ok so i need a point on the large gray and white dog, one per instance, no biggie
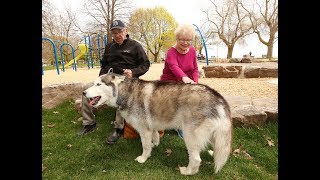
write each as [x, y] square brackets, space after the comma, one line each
[198, 110]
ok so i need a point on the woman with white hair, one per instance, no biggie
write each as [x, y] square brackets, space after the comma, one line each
[181, 59]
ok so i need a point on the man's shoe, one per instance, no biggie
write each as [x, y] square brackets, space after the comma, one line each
[87, 128]
[114, 136]
[77, 105]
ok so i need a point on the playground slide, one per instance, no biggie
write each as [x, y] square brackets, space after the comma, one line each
[83, 50]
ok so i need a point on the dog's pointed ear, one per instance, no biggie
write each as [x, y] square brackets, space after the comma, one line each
[122, 78]
[118, 79]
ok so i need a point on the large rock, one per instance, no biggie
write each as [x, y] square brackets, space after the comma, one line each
[222, 71]
[269, 106]
[246, 59]
[248, 115]
[246, 111]
[56, 94]
[234, 70]
[260, 72]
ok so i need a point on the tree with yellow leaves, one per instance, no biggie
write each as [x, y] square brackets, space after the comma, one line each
[154, 28]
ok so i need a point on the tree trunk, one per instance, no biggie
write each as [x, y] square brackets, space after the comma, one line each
[269, 52]
[230, 51]
[156, 59]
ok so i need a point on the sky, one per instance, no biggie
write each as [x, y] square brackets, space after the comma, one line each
[189, 11]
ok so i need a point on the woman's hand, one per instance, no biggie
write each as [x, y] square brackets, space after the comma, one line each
[187, 80]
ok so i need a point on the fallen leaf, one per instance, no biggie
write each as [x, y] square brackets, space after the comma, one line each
[270, 142]
[69, 146]
[55, 112]
[177, 168]
[168, 152]
[246, 154]
[43, 168]
[236, 152]
[51, 125]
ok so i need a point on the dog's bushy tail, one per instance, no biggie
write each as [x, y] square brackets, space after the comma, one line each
[221, 143]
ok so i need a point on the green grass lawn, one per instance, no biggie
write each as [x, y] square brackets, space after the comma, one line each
[68, 156]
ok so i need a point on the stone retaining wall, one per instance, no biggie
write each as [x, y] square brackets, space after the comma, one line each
[239, 71]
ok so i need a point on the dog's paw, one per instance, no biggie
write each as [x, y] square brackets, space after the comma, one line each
[183, 171]
[155, 138]
[141, 159]
[186, 171]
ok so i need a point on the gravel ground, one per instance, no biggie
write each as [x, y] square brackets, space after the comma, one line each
[251, 87]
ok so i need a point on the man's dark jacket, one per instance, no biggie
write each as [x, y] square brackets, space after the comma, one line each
[128, 55]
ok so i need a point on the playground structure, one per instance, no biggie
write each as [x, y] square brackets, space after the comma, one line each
[83, 50]
[90, 50]
[86, 51]
[204, 43]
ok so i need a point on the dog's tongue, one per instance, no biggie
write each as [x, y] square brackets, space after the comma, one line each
[93, 101]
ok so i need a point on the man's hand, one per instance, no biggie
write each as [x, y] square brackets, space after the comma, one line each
[127, 73]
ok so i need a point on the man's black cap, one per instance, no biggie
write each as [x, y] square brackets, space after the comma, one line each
[117, 24]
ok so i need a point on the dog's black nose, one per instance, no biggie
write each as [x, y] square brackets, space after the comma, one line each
[84, 93]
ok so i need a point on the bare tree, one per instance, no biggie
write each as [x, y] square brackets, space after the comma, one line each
[230, 23]
[49, 30]
[264, 21]
[103, 12]
[60, 28]
[48, 19]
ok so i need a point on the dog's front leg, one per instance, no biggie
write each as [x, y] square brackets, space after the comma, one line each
[146, 140]
[155, 138]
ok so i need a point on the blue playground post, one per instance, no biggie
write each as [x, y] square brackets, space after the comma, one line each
[62, 59]
[85, 42]
[204, 44]
[105, 40]
[90, 51]
[99, 56]
[105, 44]
[55, 54]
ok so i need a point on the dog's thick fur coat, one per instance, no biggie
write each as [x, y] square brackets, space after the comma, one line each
[198, 110]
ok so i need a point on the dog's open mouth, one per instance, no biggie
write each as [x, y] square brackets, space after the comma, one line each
[94, 100]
